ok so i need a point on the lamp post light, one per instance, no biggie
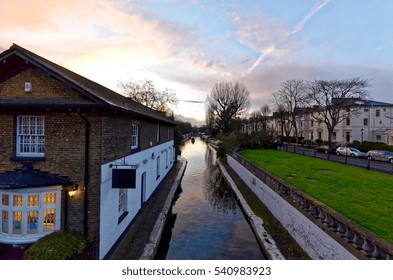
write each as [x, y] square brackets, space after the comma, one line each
[361, 138]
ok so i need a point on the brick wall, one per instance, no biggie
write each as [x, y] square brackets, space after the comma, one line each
[43, 87]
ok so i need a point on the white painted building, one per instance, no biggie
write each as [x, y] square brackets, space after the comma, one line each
[369, 121]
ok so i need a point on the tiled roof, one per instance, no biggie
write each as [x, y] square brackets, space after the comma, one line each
[91, 89]
[27, 177]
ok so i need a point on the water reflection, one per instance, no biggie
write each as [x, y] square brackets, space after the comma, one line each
[206, 222]
[217, 193]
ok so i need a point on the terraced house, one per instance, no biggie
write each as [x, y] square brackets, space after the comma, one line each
[74, 155]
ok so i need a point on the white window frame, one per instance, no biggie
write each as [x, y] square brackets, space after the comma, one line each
[158, 133]
[7, 235]
[135, 137]
[30, 136]
[122, 205]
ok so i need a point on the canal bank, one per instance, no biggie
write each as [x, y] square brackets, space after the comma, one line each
[272, 236]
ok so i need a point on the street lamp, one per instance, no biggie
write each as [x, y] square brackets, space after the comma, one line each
[361, 138]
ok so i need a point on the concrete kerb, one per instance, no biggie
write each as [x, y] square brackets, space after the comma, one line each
[150, 249]
[266, 241]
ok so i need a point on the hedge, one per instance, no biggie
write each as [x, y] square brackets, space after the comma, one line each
[60, 245]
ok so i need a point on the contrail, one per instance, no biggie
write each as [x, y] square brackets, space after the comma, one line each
[192, 101]
[315, 10]
[297, 28]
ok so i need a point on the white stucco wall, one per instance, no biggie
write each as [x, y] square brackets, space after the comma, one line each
[309, 236]
[110, 230]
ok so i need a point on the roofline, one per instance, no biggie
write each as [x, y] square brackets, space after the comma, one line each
[46, 65]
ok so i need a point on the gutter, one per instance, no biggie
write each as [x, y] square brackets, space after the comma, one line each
[86, 171]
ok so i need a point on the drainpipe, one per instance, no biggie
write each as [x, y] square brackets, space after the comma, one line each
[86, 171]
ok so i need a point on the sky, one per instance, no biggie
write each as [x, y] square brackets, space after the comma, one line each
[189, 45]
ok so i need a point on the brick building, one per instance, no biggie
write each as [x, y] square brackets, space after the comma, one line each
[74, 155]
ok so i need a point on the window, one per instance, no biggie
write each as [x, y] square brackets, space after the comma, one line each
[122, 205]
[365, 121]
[30, 136]
[334, 136]
[5, 219]
[348, 121]
[158, 133]
[158, 168]
[135, 136]
[377, 113]
[49, 217]
[122, 201]
[379, 137]
[312, 123]
[347, 136]
[166, 159]
[29, 214]
[366, 110]
[319, 135]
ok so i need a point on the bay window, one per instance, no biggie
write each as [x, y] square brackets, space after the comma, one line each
[28, 214]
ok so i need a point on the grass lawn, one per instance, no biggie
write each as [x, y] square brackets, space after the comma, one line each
[365, 197]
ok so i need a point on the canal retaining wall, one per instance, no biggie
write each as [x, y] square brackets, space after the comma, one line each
[264, 239]
[320, 231]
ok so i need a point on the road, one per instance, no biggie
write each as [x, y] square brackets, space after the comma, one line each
[359, 162]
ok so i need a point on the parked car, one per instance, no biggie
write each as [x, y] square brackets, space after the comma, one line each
[310, 144]
[380, 155]
[349, 151]
[327, 149]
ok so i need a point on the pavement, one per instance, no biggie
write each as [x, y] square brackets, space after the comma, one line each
[142, 239]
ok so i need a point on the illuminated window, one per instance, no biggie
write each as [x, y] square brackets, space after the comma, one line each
[32, 222]
[5, 219]
[30, 136]
[50, 198]
[5, 199]
[49, 220]
[33, 200]
[18, 200]
[29, 214]
[17, 222]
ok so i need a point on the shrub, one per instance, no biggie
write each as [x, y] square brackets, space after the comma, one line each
[60, 245]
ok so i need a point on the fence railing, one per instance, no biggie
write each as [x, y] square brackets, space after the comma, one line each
[362, 243]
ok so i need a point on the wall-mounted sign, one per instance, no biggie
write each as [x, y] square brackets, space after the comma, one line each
[123, 178]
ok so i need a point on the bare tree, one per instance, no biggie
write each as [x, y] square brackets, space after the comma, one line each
[226, 104]
[333, 99]
[282, 118]
[265, 112]
[145, 93]
[291, 98]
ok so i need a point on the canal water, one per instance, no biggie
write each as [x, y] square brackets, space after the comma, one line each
[206, 222]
